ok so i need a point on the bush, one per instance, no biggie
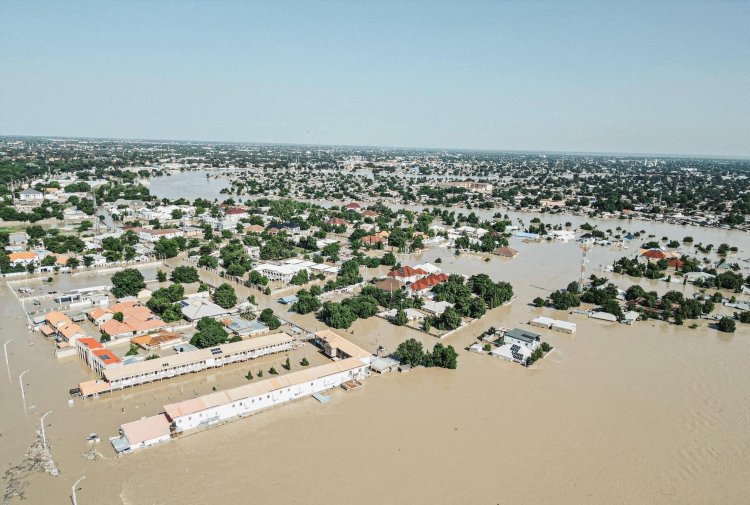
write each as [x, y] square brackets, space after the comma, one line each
[727, 325]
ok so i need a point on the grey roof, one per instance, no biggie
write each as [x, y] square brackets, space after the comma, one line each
[30, 192]
[240, 326]
[523, 335]
[381, 364]
[120, 444]
[184, 348]
[199, 309]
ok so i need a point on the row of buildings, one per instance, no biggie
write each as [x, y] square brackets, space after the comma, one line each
[350, 365]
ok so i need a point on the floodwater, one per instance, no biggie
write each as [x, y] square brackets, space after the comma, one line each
[195, 184]
[190, 185]
[650, 413]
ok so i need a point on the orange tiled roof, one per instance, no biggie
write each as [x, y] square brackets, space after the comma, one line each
[406, 271]
[71, 330]
[115, 327]
[57, 319]
[98, 312]
[106, 356]
[23, 255]
[90, 343]
[428, 282]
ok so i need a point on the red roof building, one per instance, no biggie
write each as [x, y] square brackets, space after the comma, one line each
[372, 240]
[676, 263]
[654, 254]
[426, 284]
[407, 274]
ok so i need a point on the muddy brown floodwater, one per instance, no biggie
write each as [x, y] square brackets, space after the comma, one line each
[650, 413]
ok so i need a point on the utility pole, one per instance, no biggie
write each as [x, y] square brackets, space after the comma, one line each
[5, 347]
[23, 393]
[44, 437]
[73, 489]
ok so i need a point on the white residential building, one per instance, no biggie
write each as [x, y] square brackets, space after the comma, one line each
[31, 195]
[149, 235]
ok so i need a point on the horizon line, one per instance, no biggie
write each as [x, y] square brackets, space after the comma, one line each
[404, 148]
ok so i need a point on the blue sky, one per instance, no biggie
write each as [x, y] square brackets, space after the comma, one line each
[642, 77]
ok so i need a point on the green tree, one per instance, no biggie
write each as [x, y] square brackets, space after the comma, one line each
[225, 297]
[166, 247]
[210, 333]
[184, 275]
[727, 325]
[161, 276]
[411, 352]
[305, 303]
[268, 318]
[400, 319]
[442, 356]
[300, 278]
[127, 282]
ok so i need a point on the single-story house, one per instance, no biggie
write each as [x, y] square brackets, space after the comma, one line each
[513, 352]
[195, 310]
[143, 433]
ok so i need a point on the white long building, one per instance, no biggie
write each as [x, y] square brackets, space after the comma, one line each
[286, 270]
[221, 406]
[196, 361]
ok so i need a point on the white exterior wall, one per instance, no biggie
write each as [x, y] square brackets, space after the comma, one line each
[149, 443]
[144, 235]
[214, 362]
[510, 340]
[254, 404]
[25, 197]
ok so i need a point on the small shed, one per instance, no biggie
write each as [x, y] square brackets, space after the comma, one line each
[631, 316]
[542, 322]
[288, 300]
[604, 316]
[564, 326]
[384, 365]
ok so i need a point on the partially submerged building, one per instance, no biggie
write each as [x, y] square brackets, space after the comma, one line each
[142, 433]
[221, 406]
[142, 372]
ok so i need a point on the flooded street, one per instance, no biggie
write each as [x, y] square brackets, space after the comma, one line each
[650, 413]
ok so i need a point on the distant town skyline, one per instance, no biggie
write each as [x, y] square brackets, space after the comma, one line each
[552, 77]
